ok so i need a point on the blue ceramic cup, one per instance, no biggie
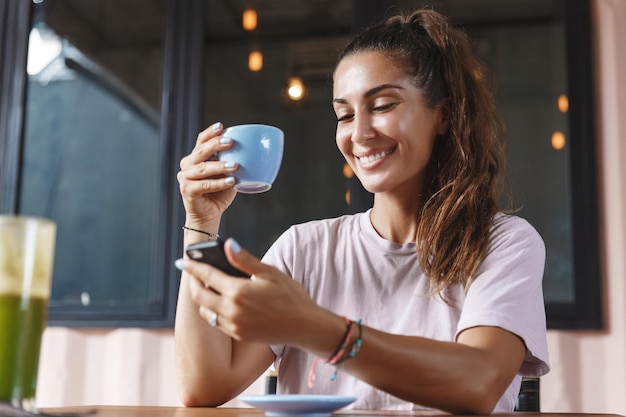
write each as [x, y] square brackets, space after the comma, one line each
[258, 149]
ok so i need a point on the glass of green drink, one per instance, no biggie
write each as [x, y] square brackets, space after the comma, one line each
[26, 262]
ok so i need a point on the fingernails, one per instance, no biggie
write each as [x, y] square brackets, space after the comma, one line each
[216, 126]
[229, 165]
[234, 245]
[229, 180]
[225, 141]
[179, 264]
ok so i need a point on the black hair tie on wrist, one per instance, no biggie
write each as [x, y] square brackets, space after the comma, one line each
[212, 236]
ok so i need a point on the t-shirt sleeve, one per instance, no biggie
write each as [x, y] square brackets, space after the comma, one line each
[507, 291]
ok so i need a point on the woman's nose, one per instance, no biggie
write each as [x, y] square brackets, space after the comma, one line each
[363, 129]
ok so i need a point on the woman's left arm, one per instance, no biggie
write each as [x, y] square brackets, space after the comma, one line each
[466, 376]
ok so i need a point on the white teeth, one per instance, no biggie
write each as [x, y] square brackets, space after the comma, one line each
[371, 158]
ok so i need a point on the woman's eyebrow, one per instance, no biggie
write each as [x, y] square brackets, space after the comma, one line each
[380, 88]
[371, 92]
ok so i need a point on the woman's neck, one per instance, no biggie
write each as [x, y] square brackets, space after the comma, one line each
[395, 219]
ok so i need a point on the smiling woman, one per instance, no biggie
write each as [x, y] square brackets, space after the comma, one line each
[431, 298]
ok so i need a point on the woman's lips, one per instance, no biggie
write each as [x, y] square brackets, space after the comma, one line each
[373, 157]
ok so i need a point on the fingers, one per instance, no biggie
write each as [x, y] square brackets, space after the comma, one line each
[203, 274]
[245, 261]
[202, 295]
[210, 132]
[205, 152]
[203, 179]
[207, 134]
[206, 169]
[200, 171]
[247, 309]
[208, 143]
[207, 314]
[210, 288]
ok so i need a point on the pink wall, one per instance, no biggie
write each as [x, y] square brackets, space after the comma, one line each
[110, 367]
[123, 366]
[135, 366]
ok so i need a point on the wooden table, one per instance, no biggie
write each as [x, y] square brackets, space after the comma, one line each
[144, 411]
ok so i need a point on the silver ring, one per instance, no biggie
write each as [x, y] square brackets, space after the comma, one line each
[213, 320]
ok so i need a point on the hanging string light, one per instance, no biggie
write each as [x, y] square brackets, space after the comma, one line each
[558, 140]
[296, 90]
[255, 61]
[563, 103]
[249, 20]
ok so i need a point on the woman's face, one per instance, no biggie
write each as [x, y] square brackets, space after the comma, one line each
[384, 129]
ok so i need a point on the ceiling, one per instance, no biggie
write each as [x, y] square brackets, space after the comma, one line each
[94, 23]
[279, 20]
[110, 32]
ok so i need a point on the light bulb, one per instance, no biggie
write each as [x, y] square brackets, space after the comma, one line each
[249, 19]
[347, 171]
[563, 103]
[255, 61]
[296, 90]
[558, 140]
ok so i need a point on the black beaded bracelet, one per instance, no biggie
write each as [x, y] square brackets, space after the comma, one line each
[212, 236]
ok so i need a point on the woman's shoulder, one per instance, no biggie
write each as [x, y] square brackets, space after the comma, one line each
[510, 228]
[512, 222]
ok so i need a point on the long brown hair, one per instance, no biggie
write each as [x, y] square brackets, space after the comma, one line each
[468, 160]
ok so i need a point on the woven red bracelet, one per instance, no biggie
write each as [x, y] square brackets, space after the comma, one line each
[345, 350]
[345, 343]
[343, 339]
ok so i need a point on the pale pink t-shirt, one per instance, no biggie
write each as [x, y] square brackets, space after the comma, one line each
[346, 267]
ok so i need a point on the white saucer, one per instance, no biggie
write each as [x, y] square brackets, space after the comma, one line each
[297, 404]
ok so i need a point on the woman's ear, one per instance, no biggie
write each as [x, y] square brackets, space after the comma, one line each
[443, 116]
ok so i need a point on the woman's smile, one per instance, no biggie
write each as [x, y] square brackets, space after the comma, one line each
[369, 160]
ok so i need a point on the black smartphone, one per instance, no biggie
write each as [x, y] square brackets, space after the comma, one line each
[212, 253]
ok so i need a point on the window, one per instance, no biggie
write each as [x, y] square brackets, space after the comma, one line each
[92, 154]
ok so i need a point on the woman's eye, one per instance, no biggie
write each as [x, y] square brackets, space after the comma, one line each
[384, 107]
[344, 117]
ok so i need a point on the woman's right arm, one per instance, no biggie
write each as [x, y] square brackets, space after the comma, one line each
[211, 368]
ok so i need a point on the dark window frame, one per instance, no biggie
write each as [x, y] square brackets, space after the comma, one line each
[14, 30]
[586, 311]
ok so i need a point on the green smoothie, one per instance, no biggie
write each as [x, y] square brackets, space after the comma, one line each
[21, 326]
